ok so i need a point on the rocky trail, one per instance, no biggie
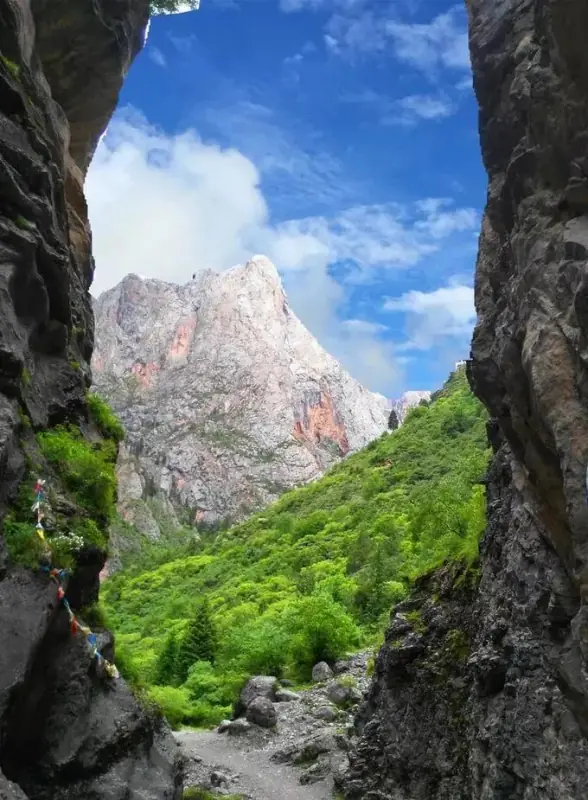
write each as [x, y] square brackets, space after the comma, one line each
[295, 749]
[226, 766]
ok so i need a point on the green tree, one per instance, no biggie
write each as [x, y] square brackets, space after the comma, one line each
[169, 6]
[198, 643]
[166, 666]
[320, 630]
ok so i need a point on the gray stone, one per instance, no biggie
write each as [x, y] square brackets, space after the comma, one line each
[326, 713]
[262, 712]
[576, 239]
[218, 779]
[285, 696]
[321, 672]
[342, 695]
[238, 727]
[259, 686]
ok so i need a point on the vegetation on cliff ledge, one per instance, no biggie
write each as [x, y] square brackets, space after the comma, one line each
[315, 574]
[81, 480]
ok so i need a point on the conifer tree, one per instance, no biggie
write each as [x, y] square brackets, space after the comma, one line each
[199, 642]
[166, 667]
[393, 421]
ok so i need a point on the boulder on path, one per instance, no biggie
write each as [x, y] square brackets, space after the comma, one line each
[321, 672]
[237, 727]
[261, 711]
[258, 686]
[342, 695]
[310, 748]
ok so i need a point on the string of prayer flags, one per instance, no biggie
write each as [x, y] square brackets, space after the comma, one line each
[59, 575]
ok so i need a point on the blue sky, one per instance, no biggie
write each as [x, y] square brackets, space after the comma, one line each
[337, 137]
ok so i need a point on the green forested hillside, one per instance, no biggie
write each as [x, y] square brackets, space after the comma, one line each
[311, 577]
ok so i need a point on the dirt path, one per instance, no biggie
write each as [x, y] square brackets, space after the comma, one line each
[250, 772]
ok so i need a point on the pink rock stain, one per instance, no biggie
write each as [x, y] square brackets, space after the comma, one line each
[320, 422]
[181, 342]
[144, 373]
[98, 364]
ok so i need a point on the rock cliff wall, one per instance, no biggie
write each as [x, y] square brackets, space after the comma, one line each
[226, 398]
[63, 733]
[483, 695]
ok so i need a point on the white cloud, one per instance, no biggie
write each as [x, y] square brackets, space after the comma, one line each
[422, 107]
[168, 206]
[157, 56]
[443, 42]
[405, 111]
[314, 5]
[444, 313]
[364, 326]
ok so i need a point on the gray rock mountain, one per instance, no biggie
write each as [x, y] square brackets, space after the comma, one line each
[407, 401]
[226, 397]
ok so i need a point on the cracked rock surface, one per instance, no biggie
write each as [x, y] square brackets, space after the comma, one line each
[480, 691]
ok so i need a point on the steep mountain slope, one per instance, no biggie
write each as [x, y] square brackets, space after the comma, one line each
[317, 571]
[226, 398]
[68, 728]
[488, 698]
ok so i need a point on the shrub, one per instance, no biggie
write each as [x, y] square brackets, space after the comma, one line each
[23, 544]
[104, 418]
[321, 630]
[86, 469]
[261, 646]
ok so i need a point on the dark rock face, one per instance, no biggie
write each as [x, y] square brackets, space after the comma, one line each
[507, 716]
[64, 732]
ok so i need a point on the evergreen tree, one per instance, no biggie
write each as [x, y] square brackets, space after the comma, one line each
[198, 643]
[165, 668]
[393, 420]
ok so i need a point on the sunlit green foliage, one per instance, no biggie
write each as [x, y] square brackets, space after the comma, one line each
[315, 575]
[104, 418]
[86, 469]
[170, 6]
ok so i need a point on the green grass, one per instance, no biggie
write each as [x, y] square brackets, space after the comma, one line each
[86, 469]
[104, 418]
[314, 576]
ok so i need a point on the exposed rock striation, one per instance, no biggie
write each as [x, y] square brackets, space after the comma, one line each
[507, 715]
[63, 733]
[226, 398]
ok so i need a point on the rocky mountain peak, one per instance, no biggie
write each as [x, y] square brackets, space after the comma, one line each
[408, 400]
[226, 397]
